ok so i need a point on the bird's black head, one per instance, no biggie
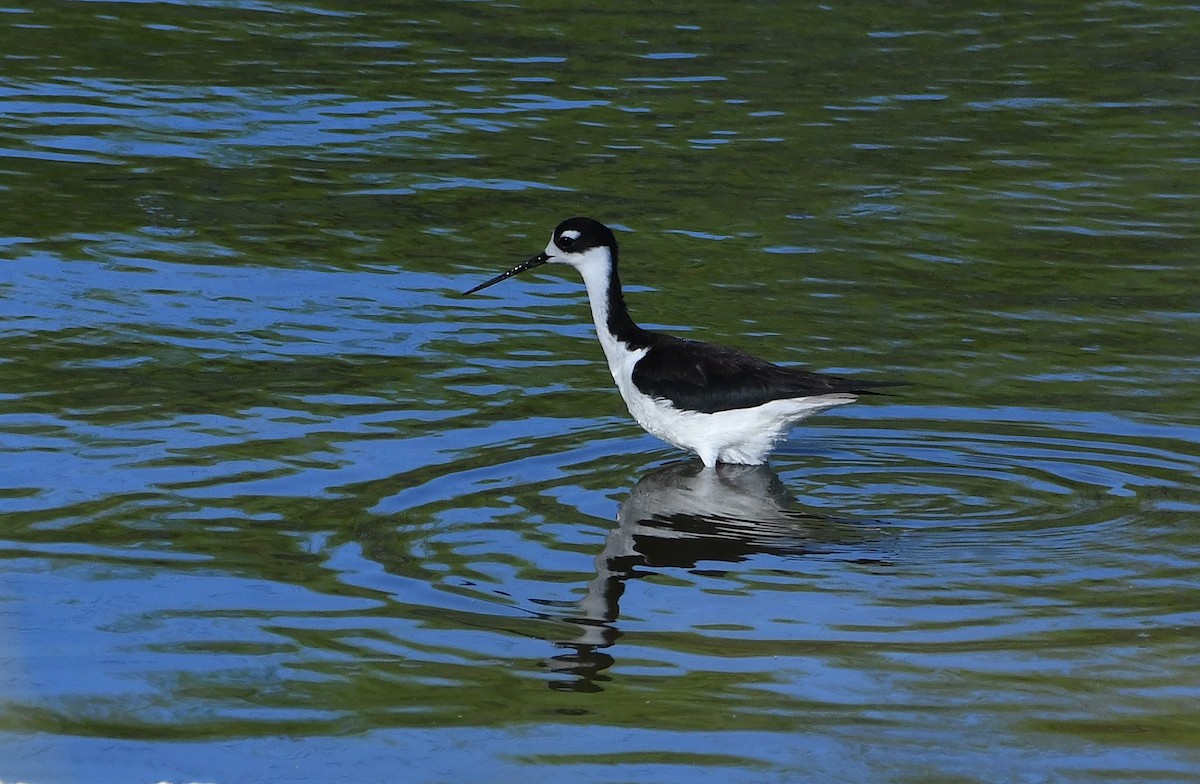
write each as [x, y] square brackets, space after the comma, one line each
[579, 235]
[581, 242]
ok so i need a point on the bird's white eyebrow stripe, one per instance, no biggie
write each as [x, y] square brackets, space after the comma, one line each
[571, 234]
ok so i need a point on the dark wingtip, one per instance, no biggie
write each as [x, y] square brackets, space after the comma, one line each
[873, 387]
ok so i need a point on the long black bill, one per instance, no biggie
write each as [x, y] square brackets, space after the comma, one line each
[536, 261]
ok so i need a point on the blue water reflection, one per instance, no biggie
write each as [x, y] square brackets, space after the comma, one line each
[684, 516]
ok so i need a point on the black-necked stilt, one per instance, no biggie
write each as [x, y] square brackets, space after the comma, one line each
[719, 402]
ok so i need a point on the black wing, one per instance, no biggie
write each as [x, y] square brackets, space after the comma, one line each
[708, 378]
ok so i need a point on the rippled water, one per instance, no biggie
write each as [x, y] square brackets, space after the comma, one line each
[278, 504]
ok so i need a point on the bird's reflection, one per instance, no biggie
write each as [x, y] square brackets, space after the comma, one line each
[678, 516]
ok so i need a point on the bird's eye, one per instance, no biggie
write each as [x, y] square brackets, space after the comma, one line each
[565, 241]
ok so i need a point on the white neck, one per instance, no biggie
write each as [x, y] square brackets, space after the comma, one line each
[596, 269]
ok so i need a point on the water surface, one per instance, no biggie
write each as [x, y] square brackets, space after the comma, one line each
[277, 504]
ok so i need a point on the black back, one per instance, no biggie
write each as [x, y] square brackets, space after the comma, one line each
[707, 377]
